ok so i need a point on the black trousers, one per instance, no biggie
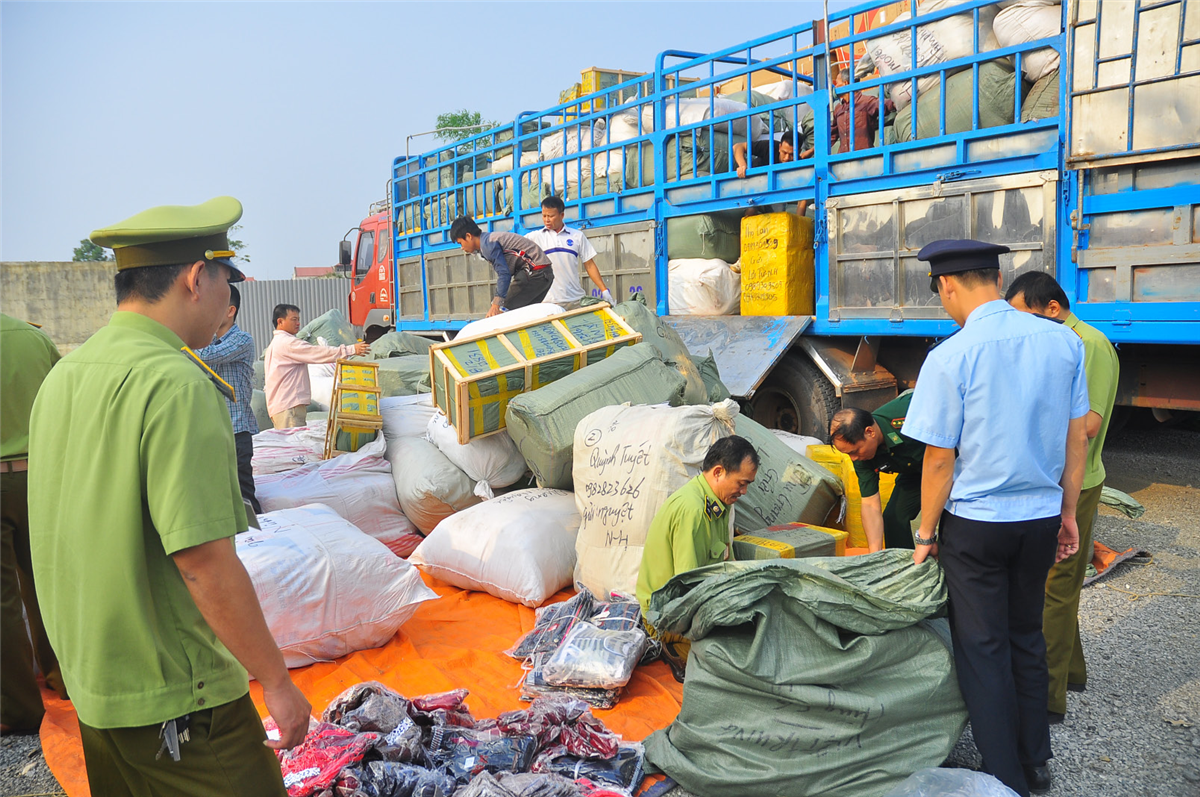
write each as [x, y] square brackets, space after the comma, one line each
[244, 442]
[996, 578]
[528, 287]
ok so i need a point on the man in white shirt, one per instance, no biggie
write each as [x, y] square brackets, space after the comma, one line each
[286, 362]
[566, 247]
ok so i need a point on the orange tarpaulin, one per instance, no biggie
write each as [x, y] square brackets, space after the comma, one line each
[456, 641]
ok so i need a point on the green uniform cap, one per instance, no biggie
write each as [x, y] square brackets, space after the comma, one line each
[172, 234]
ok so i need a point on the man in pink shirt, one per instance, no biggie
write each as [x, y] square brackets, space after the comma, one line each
[286, 362]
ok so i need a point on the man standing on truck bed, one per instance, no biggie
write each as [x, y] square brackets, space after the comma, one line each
[286, 364]
[567, 247]
[875, 444]
[1000, 406]
[1038, 292]
[133, 507]
[523, 272]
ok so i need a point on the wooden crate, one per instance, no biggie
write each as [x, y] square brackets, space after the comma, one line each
[474, 378]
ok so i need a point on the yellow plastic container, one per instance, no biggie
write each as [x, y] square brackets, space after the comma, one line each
[777, 265]
[843, 467]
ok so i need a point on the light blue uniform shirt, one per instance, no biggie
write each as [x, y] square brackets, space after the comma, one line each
[1002, 392]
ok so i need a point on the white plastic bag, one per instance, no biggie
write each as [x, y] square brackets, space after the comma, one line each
[627, 462]
[406, 416]
[797, 442]
[492, 461]
[277, 450]
[1027, 22]
[326, 588]
[430, 487]
[947, 782]
[592, 658]
[703, 287]
[320, 382]
[519, 317]
[358, 486]
[519, 547]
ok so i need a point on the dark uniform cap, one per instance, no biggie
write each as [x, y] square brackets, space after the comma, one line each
[173, 234]
[955, 256]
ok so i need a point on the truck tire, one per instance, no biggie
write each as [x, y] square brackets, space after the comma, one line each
[796, 398]
[375, 332]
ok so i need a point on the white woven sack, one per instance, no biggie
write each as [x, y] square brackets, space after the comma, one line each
[519, 317]
[327, 589]
[1027, 22]
[492, 462]
[698, 286]
[277, 450]
[519, 547]
[406, 416]
[430, 487]
[627, 463]
[358, 486]
[797, 442]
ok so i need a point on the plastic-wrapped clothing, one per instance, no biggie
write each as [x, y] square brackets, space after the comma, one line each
[562, 721]
[534, 686]
[442, 708]
[519, 785]
[617, 616]
[624, 770]
[315, 763]
[938, 782]
[552, 624]
[371, 706]
[389, 779]
[465, 752]
[592, 657]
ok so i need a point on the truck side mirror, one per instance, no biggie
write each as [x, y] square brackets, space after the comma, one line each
[343, 253]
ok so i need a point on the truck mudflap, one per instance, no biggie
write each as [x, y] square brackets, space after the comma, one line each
[745, 348]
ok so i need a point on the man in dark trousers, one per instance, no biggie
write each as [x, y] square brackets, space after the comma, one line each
[1002, 407]
[524, 273]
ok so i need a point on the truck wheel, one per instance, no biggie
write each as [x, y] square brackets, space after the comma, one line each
[375, 332]
[796, 398]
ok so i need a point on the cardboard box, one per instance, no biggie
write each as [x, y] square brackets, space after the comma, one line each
[842, 466]
[790, 541]
[778, 276]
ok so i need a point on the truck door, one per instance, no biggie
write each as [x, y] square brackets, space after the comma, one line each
[363, 291]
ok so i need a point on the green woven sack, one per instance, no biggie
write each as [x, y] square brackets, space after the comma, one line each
[542, 422]
[809, 676]
[712, 379]
[1041, 101]
[404, 375]
[396, 344]
[997, 90]
[674, 353]
[790, 488]
[332, 327]
[707, 236]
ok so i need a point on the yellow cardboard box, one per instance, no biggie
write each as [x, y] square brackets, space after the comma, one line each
[778, 276]
[843, 467]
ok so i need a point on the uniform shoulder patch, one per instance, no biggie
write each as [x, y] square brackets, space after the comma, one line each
[897, 423]
[713, 508]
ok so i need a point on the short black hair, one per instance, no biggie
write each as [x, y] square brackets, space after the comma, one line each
[554, 203]
[235, 300]
[730, 452]
[148, 283]
[281, 312]
[462, 227]
[1039, 289]
[969, 279]
[850, 424]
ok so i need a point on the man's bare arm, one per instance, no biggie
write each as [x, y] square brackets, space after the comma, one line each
[937, 476]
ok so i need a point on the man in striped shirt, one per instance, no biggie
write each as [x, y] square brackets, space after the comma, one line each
[231, 355]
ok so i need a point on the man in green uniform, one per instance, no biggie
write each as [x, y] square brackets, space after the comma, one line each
[1037, 292]
[134, 503]
[28, 354]
[874, 442]
[691, 529]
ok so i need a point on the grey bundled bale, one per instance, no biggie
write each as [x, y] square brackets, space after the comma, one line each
[542, 422]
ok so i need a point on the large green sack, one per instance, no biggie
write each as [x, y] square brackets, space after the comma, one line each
[809, 676]
[712, 379]
[789, 488]
[674, 353]
[332, 327]
[542, 422]
[1041, 101]
[258, 405]
[404, 375]
[260, 374]
[396, 344]
[705, 236]
[997, 93]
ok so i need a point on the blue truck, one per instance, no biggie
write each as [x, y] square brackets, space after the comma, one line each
[1068, 132]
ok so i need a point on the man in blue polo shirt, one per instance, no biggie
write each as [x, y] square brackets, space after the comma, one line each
[1001, 407]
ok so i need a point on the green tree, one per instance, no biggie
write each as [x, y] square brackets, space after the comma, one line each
[461, 118]
[90, 252]
[238, 245]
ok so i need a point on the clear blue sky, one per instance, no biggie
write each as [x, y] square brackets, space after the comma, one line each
[296, 109]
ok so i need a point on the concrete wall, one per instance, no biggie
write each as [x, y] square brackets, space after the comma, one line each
[70, 300]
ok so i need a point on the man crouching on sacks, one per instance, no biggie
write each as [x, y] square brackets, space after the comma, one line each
[692, 529]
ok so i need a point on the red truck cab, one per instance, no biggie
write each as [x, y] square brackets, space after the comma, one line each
[372, 294]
